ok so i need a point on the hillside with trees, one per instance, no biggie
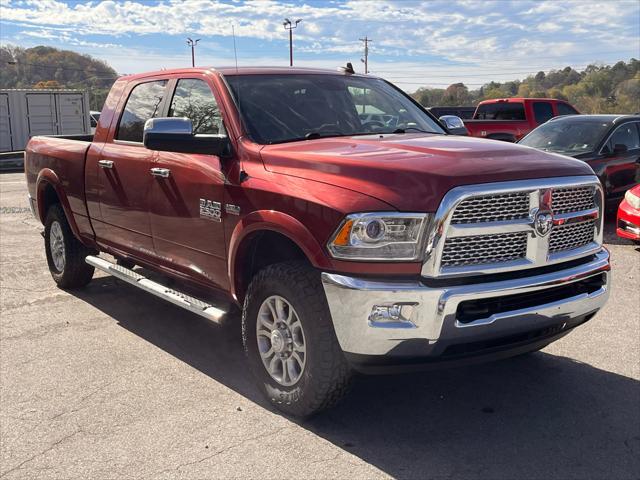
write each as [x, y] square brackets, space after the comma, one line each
[596, 89]
[48, 67]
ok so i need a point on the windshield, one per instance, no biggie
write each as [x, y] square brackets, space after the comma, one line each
[284, 108]
[567, 137]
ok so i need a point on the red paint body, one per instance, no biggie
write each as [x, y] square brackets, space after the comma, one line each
[511, 130]
[630, 215]
[301, 190]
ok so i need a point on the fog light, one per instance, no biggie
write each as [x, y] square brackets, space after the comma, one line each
[396, 315]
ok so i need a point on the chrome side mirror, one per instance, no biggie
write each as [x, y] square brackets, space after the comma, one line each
[173, 134]
[454, 124]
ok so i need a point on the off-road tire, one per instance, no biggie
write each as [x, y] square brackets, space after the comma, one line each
[76, 273]
[327, 375]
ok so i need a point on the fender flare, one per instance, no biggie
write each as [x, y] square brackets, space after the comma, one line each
[278, 222]
[48, 177]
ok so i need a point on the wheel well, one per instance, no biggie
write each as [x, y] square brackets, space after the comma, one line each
[49, 198]
[262, 249]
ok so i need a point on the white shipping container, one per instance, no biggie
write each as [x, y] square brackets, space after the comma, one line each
[25, 113]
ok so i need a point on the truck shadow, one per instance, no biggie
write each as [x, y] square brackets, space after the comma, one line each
[538, 416]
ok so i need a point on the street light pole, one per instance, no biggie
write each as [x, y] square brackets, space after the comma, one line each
[192, 44]
[289, 25]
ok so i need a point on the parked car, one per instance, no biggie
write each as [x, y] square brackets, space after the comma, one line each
[628, 221]
[610, 144]
[510, 119]
[346, 246]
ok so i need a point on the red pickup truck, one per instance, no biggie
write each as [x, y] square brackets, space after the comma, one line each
[346, 244]
[510, 119]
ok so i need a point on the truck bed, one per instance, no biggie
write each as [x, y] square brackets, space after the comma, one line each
[64, 157]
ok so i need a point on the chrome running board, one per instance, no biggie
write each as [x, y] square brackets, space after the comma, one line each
[180, 299]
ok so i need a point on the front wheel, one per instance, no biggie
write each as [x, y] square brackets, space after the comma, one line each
[290, 342]
[65, 254]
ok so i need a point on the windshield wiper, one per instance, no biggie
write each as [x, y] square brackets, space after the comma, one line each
[415, 129]
[314, 135]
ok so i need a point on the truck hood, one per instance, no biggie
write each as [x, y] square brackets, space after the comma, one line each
[413, 172]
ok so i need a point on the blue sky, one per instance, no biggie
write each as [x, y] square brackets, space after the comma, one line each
[414, 43]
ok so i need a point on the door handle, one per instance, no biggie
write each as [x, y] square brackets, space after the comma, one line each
[105, 163]
[160, 172]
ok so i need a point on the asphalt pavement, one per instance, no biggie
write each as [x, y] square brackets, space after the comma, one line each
[110, 382]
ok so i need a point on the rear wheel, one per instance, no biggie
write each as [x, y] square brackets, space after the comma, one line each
[65, 254]
[290, 342]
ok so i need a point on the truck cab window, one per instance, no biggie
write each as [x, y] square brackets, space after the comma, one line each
[564, 109]
[501, 111]
[194, 99]
[143, 103]
[542, 111]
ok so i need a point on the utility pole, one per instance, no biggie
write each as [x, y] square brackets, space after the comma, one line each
[365, 60]
[192, 44]
[289, 25]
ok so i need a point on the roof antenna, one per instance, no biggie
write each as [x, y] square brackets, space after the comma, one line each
[235, 52]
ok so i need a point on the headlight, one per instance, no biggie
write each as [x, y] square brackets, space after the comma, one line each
[632, 199]
[384, 236]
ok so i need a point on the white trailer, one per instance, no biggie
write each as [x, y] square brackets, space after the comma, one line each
[28, 112]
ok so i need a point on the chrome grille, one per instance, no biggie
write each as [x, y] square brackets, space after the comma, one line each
[507, 226]
[492, 208]
[461, 251]
[565, 200]
[568, 237]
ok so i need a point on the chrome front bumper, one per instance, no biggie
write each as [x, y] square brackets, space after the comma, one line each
[431, 323]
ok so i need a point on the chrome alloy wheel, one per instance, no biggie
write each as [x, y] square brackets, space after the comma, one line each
[281, 340]
[56, 245]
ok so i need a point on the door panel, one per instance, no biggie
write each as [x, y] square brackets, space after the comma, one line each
[6, 141]
[71, 113]
[622, 170]
[186, 206]
[124, 190]
[123, 173]
[41, 114]
[187, 238]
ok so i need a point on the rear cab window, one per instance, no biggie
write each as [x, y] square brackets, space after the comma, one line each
[542, 111]
[144, 102]
[565, 109]
[500, 111]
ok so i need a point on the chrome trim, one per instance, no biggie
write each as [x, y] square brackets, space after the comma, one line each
[537, 254]
[195, 305]
[160, 172]
[629, 227]
[351, 301]
[105, 163]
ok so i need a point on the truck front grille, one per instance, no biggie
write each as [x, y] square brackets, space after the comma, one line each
[566, 200]
[460, 251]
[569, 237]
[505, 226]
[492, 208]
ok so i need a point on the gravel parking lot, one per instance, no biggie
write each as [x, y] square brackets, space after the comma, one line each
[110, 382]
